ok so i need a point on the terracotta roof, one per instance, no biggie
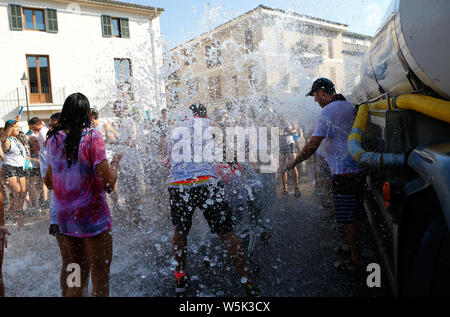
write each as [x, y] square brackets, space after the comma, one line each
[129, 5]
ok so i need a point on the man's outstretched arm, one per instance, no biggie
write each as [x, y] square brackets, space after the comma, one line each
[309, 149]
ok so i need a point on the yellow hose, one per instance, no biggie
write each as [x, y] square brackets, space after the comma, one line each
[432, 107]
[429, 106]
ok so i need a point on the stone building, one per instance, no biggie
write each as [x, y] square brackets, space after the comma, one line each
[260, 54]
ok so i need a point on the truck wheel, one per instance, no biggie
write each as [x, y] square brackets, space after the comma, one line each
[431, 273]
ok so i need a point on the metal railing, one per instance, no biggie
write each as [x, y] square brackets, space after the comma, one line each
[17, 98]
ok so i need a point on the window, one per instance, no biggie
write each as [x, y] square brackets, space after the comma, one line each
[249, 41]
[15, 17]
[213, 55]
[330, 48]
[188, 57]
[44, 20]
[124, 76]
[39, 75]
[214, 88]
[34, 19]
[192, 86]
[115, 27]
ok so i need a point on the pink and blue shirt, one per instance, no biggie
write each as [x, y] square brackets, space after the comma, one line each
[79, 198]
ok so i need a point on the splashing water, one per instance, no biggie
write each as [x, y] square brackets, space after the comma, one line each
[142, 231]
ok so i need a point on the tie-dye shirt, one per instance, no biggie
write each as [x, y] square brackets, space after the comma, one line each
[80, 200]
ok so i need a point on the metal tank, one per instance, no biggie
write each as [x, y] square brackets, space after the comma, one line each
[410, 51]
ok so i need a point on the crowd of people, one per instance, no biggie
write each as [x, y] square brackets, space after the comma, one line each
[82, 157]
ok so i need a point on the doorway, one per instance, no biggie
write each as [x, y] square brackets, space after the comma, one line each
[39, 75]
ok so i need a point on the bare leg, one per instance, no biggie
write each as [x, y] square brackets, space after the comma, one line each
[237, 255]
[75, 254]
[33, 190]
[179, 245]
[99, 251]
[296, 177]
[65, 262]
[17, 188]
[351, 233]
[43, 190]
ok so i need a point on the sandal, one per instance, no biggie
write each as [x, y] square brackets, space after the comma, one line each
[348, 266]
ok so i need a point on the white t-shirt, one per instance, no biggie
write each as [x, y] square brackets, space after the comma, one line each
[42, 136]
[15, 156]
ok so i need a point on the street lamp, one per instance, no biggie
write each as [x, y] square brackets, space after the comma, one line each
[25, 80]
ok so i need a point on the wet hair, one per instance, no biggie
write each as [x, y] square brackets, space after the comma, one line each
[119, 107]
[8, 124]
[94, 114]
[198, 110]
[75, 116]
[22, 137]
[55, 116]
[34, 120]
[163, 111]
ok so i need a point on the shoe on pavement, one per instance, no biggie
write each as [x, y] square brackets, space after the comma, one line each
[297, 192]
[181, 283]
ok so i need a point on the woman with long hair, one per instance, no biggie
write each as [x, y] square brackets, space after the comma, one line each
[80, 176]
[13, 169]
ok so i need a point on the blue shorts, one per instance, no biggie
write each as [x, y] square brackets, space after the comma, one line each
[348, 196]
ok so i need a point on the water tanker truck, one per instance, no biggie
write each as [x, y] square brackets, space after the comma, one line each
[401, 134]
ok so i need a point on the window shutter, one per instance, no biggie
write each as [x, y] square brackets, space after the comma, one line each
[106, 26]
[124, 28]
[51, 21]
[15, 17]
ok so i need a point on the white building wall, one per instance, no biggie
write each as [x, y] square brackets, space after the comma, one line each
[81, 60]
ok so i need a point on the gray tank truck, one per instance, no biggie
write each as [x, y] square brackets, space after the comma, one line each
[402, 136]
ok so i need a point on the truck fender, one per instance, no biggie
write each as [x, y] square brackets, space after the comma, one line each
[432, 163]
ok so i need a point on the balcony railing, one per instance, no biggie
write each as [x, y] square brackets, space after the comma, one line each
[16, 98]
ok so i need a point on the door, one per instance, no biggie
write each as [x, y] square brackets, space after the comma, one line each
[39, 75]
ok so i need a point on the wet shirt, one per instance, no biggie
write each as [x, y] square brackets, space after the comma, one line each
[187, 151]
[80, 201]
[42, 136]
[15, 156]
[335, 124]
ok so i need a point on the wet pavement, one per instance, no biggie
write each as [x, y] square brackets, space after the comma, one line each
[297, 261]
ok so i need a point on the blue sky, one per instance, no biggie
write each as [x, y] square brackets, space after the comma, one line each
[185, 19]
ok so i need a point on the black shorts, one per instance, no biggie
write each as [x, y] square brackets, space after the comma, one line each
[33, 172]
[11, 171]
[348, 196]
[209, 198]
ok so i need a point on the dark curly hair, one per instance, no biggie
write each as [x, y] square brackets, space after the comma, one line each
[75, 117]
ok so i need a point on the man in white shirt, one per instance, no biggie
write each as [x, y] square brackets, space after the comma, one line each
[37, 126]
[40, 131]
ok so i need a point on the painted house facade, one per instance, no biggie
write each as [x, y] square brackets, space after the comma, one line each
[100, 48]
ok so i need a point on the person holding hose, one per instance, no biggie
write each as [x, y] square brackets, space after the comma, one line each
[332, 131]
